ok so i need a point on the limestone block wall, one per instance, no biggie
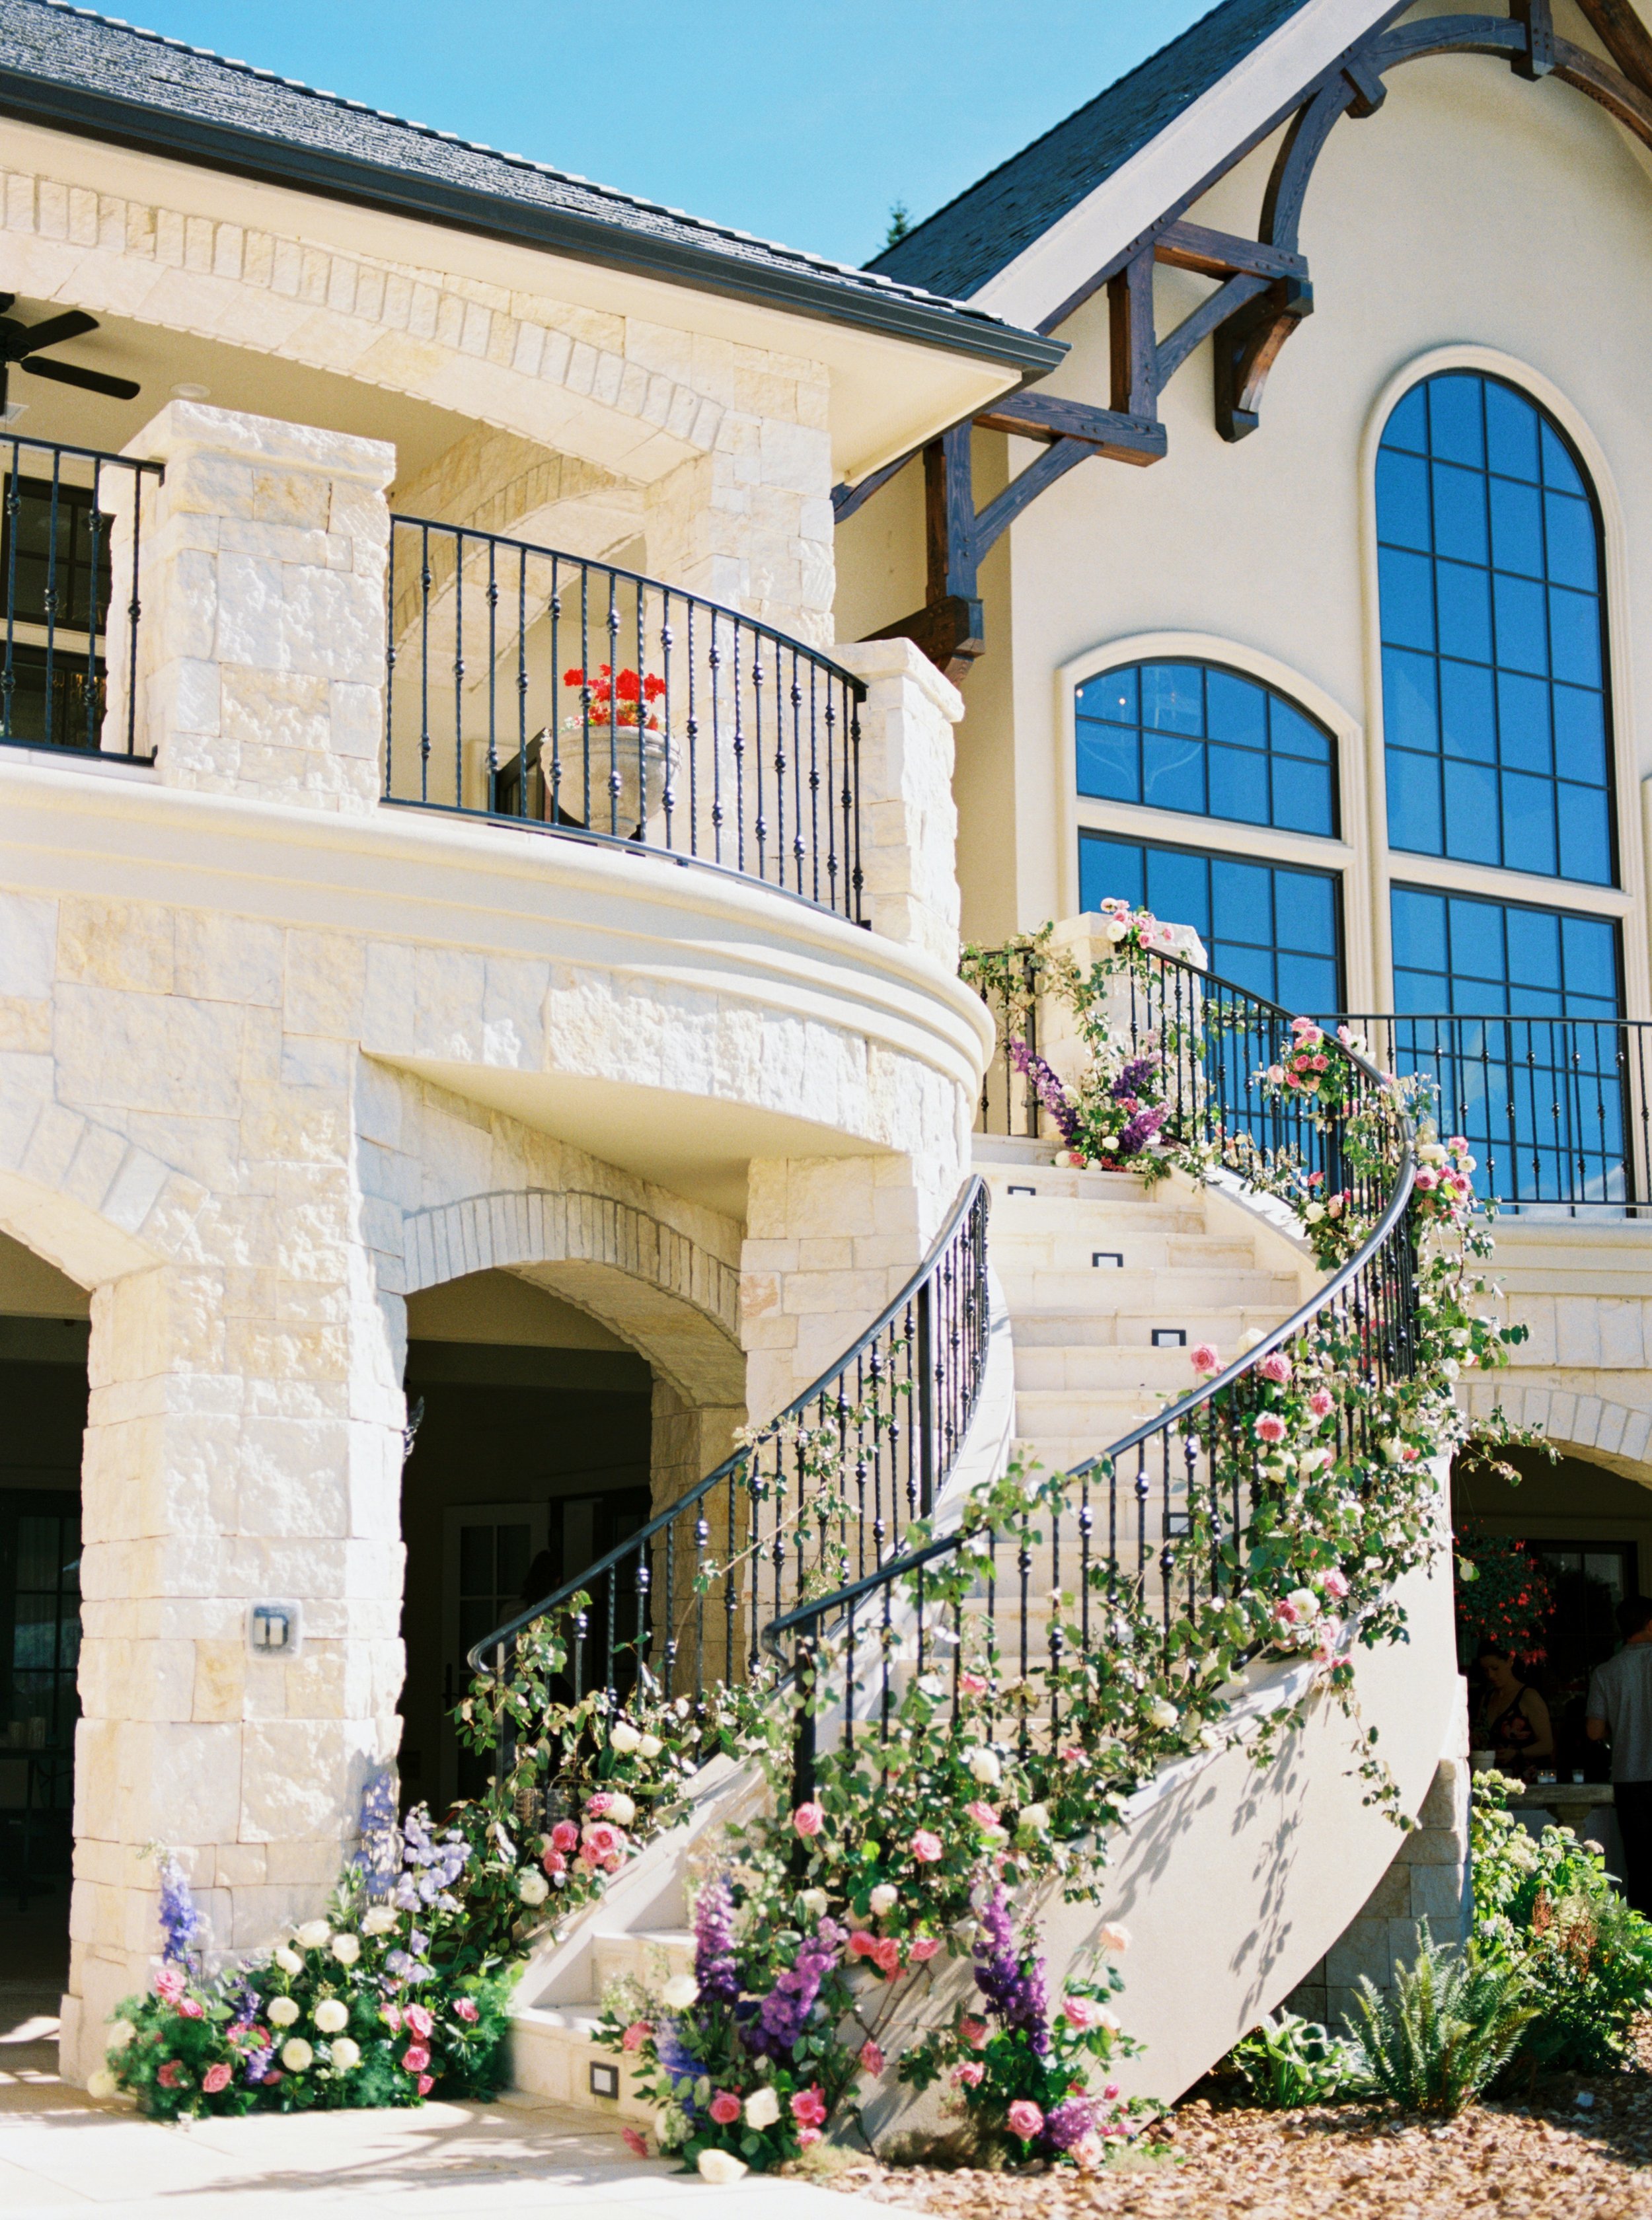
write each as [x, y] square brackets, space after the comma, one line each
[910, 824]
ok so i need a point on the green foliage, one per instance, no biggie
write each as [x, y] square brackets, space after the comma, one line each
[1547, 1908]
[1286, 2061]
[1454, 2022]
[1502, 1593]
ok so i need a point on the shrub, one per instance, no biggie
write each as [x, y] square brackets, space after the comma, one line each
[1454, 2022]
[1285, 2061]
[1547, 1909]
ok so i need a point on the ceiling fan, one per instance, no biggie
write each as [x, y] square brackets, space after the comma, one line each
[21, 347]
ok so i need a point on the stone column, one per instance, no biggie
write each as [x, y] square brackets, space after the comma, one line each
[1085, 939]
[909, 823]
[261, 643]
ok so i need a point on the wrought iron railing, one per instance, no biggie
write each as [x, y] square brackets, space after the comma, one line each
[1558, 1109]
[824, 1492]
[1164, 1515]
[571, 696]
[61, 546]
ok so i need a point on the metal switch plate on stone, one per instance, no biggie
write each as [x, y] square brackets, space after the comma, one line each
[1102, 1257]
[1170, 1336]
[275, 1630]
[605, 2081]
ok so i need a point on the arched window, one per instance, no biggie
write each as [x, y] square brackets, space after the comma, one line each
[1494, 635]
[1207, 741]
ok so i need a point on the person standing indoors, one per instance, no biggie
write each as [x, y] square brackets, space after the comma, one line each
[1620, 1712]
[1513, 1720]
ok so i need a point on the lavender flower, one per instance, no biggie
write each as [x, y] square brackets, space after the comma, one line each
[181, 1924]
[713, 1944]
[1141, 1129]
[678, 2063]
[1135, 1076]
[1011, 1983]
[783, 2015]
[1051, 1092]
[378, 1863]
[1069, 2123]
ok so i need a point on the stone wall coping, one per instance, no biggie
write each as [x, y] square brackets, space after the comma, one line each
[191, 428]
[398, 875]
[872, 659]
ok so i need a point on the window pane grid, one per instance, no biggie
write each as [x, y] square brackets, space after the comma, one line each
[1206, 741]
[1492, 632]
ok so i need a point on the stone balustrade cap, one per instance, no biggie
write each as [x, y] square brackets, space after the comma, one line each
[191, 428]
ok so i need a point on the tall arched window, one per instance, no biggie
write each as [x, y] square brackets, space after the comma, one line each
[1494, 635]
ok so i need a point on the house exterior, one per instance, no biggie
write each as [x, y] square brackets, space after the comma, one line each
[483, 861]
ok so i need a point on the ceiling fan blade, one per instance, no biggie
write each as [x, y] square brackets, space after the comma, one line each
[6, 300]
[68, 373]
[55, 329]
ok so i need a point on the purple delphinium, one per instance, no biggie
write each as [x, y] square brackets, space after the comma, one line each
[1051, 1092]
[378, 1863]
[678, 2063]
[1067, 2123]
[1141, 1129]
[1135, 1076]
[783, 2015]
[713, 1944]
[1013, 1983]
[181, 1926]
[429, 1867]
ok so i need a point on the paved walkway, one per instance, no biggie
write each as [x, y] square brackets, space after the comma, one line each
[62, 2154]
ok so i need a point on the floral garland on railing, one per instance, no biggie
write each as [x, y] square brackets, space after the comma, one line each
[932, 1843]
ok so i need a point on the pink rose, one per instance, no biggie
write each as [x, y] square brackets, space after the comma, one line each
[168, 1985]
[871, 2058]
[603, 1839]
[808, 2136]
[1284, 1612]
[1275, 1366]
[861, 1944]
[171, 2074]
[216, 2078]
[564, 1835]
[983, 1814]
[972, 1684]
[1270, 1427]
[1319, 1402]
[725, 2108]
[809, 2106]
[973, 2031]
[1026, 2119]
[191, 2008]
[426, 2083]
[421, 2020]
[612, 1863]
[1111, 2092]
[416, 2058]
[596, 1805]
[635, 2141]
[465, 2009]
[970, 2074]
[391, 2017]
[885, 1955]
[1335, 1583]
[1079, 2012]
[924, 1948]
[554, 1863]
[636, 2035]
[809, 1818]
[1205, 1357]
[927, 1848]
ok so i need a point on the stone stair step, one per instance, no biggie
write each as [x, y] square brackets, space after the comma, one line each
[650, 1955]
[1061, 1248]
[1169, 1293]
[1110, 1368]
[553, 2054]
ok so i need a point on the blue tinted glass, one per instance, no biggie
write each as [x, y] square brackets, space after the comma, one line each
[1235, 709]
[1467, 726]
[1575, 632]
[1107, 765]
[1173, 772]
[1460, 513]
[1108, 870]
[1572, 554]
[1408, 712]
[1493, 639]
[1414, 803]
[1241, 901]
[1522, 721]
[1239, 787]
[1408, 426]
[1243, 965]
[1294, 735]
[1178, 888]
[1476, 930]
[1534, 944]
[1302, 798]
[1520, 642]
[1590, 947]
[1528, 823]
[1510, 433]
[1516, 528]
[1465, 611]
[1471, 811]
[1112, 696]
[1585, 833]
[1305, 910]
[1419, 942]
[1454, 419]
[1232, 904]
[1580, 735]
[1402, 499]
[1420, 990]
[1307, 985]
[1173, 697]
[1405, 592]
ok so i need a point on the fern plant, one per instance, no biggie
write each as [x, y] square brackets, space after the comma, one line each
[1454, 2020]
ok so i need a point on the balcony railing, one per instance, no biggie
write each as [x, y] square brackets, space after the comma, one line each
[61, 549]
[538, 687]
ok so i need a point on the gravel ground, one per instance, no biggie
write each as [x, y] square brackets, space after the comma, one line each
[1527, 2160]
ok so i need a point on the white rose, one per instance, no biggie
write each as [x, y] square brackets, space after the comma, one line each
[102, 2084]
[679, 1992]
[289, 1960]
[1314, 1212]
[1304, 1602]
[650, 1746]
[984, 1765]
[533, 1887]
[624, 1738]
[314, 1935]
[346, 1948]
[1113, 1939]
[346, 2055]
[621, 1809]
[720, 2167]
[297, 2056]
[331, 2016]
[1109, 1140]
[884, 1897]
[121, 2033]
[282, 2011]
[1117, 929]
[762, 2108]
[381, 1919]
[1032, 1819]
[814, 1902]
[1431, 1152]
[1162, 1713]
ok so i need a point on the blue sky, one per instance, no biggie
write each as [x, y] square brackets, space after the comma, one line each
[800, 119]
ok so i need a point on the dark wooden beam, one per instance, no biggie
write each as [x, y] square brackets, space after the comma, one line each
[1574, 66]
[949, 517]
[950, 633]
[1134, 346]
[1033, 415]
[1536, 20]
[1039, 476]
[846, 499]
[1624, 37]
[1366, 84]
[1177, 345]
[1223, 254]
[1247, 347]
